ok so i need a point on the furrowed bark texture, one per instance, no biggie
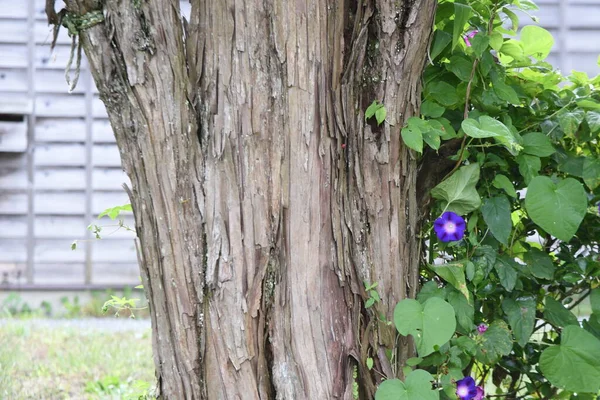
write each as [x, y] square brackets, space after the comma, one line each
[262, 198]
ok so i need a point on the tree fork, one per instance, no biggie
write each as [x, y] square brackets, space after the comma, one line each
[262, 199]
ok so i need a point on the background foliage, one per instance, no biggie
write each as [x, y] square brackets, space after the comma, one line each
[522, 141]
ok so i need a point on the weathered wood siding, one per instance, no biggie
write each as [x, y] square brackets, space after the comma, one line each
[59, 164]
[60, 167]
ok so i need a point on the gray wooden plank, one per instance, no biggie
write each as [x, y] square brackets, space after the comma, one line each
[102, 131]
[60, 179]
[116, 273]
[13, 179]
[43, 34]
[13, 136]
[109, 178]
[65, 203]
[106, 155]
[13, 80]
[13, 160]
[15, 103]
[53, 81]
[98, 108]
[584, 62]
[12, 226]
[584, 16]
[56, 105]
[58, 250]
[59, 226]
[13, 31]
[13, 251]
[58, 273]
[584, 41]
[13, 55]
[57, 59]
[13, 9]
[13, 203]
[109, 250]
[53, 155]
[60, 129]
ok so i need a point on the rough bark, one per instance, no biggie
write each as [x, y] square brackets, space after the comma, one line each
[262, 199]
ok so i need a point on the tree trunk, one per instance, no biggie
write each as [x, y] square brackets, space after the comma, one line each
[262, 198]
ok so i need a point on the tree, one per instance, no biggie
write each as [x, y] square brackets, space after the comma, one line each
[263, 199]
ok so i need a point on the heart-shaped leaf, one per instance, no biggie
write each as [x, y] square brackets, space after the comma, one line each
[496, 342]
[521, 317]
[417, 385]
[557, 314]
[459, 190]
[431, 324]
[556, 208]
[574, 365]
[496, 214]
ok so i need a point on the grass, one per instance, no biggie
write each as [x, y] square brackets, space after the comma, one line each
[44, 362]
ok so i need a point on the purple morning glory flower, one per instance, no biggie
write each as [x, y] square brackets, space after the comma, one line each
[449, 227]
[466, 389]
[480, 394]
[481, 328]
[468, 36]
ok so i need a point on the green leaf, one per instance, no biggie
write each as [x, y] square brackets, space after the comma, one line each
[480, 43]
[486, 127]
[460, 67]
[573, 365]
[595, 301]
[593, 120]
[462, 13]
[417, 385]
[446, 128]
[502, 182]
[514, 20]
[443, 93]
[413, 139]
[591, 172]
[556, 208]
[570, 121]
[529, 166]
[431, 324]
[464, 311]
[539, 264]
[504, 267]
[484, 261]
[537, 42]
[513, 49]
[521, 317]
[454, 274]
[369, 363]
[557, 314]
[496, 342]
[537, 144]
[430, 108]
[496, 214]
[588, 104]
[459, 191]
[380, 114]
[432, 139]
[74, 245]
[114, 212]
[430, 289]
[370, 111]
[505, 92]
[496, 40]
[440, 41]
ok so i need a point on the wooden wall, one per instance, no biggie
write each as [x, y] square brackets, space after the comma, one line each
[59, 165]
